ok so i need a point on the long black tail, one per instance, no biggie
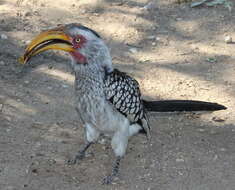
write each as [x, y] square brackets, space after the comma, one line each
[181, 105]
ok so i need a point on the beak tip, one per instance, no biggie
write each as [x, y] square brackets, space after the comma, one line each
[22, 60]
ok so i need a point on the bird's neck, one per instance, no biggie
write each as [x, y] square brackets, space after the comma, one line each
[94, 69]
[89, 80]
[89, 73]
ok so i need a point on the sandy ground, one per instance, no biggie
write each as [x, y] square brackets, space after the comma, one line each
[175, 52]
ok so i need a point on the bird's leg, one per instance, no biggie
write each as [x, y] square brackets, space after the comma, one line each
[108, 179]
[91, 137]
[80, 155]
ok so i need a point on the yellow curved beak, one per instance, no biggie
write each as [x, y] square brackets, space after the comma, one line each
[51, 39]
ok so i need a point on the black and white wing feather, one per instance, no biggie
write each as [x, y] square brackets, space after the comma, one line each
[123, 92]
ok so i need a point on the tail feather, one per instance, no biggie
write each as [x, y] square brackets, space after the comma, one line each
[181, 105]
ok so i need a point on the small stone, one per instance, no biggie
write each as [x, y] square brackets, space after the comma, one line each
[151, 37]
[83, 11]
[64, 86]
[228, 39]
[149, 6]
[38, 144]
[215, 157]
[218, 119]
[201, 130]
[52, 161]
[8, 130]
[3, 36]
[179, 19]
[179, 160]
[27, 41]
[28, 14]
[25, 185]
[222, 149]
[36, 13]
[35, 171]
[64, 134]
[102, 141]
[9, 188]
[158, 39]
[26, 82]
[39, 154]
[2, 63]
[133, 50]
[1, 107]
[50, 66]
[154, 43]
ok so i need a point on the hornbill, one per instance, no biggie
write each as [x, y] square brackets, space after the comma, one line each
[107, 100]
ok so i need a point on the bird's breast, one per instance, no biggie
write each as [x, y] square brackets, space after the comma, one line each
[93, 107]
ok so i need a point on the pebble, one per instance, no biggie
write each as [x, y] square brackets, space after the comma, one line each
[215, 157]
[218, 119]
[179, 19]
[34, 171]
[228, 39]
[28, 14]
[222, 149]
[133, 50]
[102, 141]
[179, 160]
[158, 38]
[201, 130]
[25, 185]
[9, 188]
[149, 6]
[64, 86]
[8, 130]
[151, 37]
[27, 41]
[2, 63]
[83, 11]
[3, 36]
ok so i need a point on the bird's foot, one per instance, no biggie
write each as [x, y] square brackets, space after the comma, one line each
[76, 159]
[81, 154]
[108, 180]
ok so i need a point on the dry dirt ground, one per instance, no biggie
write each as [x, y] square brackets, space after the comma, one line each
[174, 51]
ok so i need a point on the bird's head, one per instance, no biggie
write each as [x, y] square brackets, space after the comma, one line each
[83, 44]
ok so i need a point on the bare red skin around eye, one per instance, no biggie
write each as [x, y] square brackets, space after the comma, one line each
[78, 45]
[79, 57]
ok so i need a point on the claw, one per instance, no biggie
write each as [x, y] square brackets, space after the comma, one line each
[80, 155]
[107, 180]
[76, 159]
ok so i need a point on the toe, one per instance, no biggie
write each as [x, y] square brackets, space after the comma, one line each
[107, 180]
[71, 161]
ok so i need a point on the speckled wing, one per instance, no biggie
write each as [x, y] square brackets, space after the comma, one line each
[124, 93]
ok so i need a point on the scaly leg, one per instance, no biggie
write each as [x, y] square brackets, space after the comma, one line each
[80, 155]
[108, 179]
[91, 136]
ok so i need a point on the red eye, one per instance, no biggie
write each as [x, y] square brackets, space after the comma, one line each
[77, 40]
